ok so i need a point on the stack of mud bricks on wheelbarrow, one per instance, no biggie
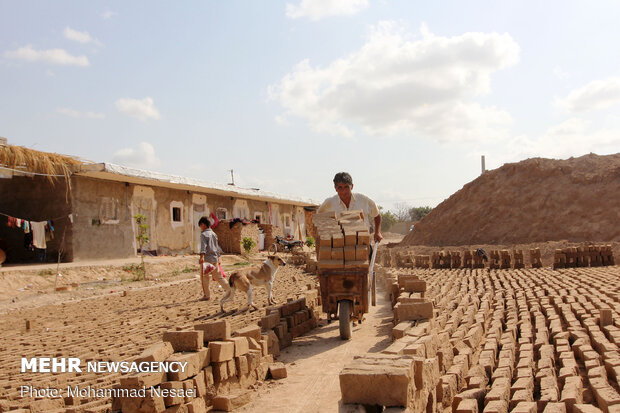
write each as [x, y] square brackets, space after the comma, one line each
[221, 365]
[343, 240]
[586, 256]
[405, 373]
[519, 341]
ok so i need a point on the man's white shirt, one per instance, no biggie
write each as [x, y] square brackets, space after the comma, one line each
[358, 201]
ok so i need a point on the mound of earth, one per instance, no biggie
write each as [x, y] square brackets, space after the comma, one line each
[534, 200]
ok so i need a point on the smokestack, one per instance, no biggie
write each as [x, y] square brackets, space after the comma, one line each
[482, 164]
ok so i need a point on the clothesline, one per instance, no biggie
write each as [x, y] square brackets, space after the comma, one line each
[70, 216]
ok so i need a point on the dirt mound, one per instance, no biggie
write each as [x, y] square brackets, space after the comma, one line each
[535, 200]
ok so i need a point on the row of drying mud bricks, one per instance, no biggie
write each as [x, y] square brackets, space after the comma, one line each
[220, 366]
[532, 347]
[588, 256]
[452, 259]
[230, 238]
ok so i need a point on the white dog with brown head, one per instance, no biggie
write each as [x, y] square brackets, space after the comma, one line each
[247, 278]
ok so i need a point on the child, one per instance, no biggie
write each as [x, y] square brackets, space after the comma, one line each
[209, 258]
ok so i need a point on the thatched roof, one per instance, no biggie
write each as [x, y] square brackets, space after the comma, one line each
[28, 160]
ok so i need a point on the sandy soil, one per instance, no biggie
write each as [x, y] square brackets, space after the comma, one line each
[314, 361]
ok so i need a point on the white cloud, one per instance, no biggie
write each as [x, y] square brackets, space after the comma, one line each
[108, 14]
[77, 36]
[395, 84]
[77, 114]
[141, 156]
[598, 94]
[142, 109]
[52, 56]
[318, 9]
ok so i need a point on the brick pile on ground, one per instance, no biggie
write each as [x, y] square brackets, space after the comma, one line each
[271, 231]
[230, 237]
[114, 327]
[535, 200]
[342, 240]
[524, 340]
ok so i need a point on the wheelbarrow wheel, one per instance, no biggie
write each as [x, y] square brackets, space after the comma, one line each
[344, 319]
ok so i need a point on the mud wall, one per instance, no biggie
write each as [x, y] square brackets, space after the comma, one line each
[35, 199]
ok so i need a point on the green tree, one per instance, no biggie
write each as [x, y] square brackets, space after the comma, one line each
[417, 213]
[388, 219]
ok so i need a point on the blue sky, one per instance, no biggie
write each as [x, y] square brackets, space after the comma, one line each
[405, 95]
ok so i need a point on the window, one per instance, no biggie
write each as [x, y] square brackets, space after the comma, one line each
[259, 217]
[176, 213]
[109, 210]
[221, 213]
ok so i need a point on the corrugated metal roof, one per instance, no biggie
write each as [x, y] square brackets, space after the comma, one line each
[115, 172]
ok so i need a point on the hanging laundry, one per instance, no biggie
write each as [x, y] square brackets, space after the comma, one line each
[26, 226]
[38, 234]
[11, 222]
[18, 222]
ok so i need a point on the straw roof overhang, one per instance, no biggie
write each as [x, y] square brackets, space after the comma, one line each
[30, 161]
[112, 172]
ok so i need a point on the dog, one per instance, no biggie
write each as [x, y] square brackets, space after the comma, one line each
[247, 278]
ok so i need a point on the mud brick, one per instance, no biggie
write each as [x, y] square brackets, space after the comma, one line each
[349, 253]
[274, 343]
[254, 344]
[446, 389]
[363, 238]
[208, 374]
[555, 407]
[228, 403]
[337, 254]
[241, 345]
[496, 406]
[361, 253]
[523, 383]
[325, 252]
[231, 367]
[222, 350]
[188, 340]
[150, 403]
[220, 371]
[337, 240]
[277, 371]
[143, 380]
[400, 329]
[241, 364]
[176, 399]
[467, 406]
[200, 385]
[395, 348]
[264, 344]
[45, 405]
[157, 352]
[204, 357]
[431, 345]
[586, 408]
[191, 368]
[605, 317]
[254, 358]
[382, 381]
[330, 264]
[325, 242]
[197, 406]
[357, 264]
[270, 321]
[214, 330]
[413, 311]
[415, 286]
[499, 391]
[252, 331]
[549, 391]
[525, 407]
[476, 395]
[520, 396]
